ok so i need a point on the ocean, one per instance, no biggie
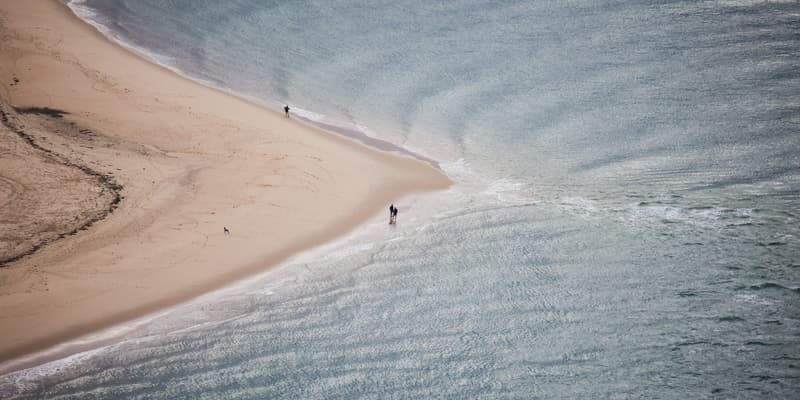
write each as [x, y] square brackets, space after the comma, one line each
[624, 223]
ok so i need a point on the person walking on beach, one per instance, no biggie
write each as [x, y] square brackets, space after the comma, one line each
[391, 214]
[286, 109]
[394, 216]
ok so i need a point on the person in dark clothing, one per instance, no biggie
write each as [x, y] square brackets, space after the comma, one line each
[391, 214]
[286, 109]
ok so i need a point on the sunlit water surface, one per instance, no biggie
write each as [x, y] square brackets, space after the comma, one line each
[624, 221]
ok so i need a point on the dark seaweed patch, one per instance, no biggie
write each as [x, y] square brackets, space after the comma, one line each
[46, 111]
[106, 180]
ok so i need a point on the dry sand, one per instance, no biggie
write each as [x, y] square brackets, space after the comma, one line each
[87, 123]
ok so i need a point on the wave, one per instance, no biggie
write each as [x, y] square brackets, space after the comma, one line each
[771, 285]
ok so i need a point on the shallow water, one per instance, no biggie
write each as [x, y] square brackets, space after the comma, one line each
[624, 221]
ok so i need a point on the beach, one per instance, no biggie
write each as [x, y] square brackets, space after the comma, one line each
[118, 178]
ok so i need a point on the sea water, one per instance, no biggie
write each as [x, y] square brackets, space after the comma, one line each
[623, 224]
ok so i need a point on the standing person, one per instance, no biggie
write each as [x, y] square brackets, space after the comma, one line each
[391, 214]
[394, 216]
[286, 109]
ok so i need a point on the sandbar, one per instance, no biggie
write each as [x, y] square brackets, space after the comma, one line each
[117, 177]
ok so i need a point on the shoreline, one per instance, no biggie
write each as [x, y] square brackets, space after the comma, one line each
[191, 159]
[340, 130]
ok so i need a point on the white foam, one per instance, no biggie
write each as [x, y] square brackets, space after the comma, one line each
[308, 114]
[23, 379]
[709, 216]
[509, 192]
[77, 349]
[581, 206]
[753, 299]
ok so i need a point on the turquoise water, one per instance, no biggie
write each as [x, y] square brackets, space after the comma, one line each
[624, 222]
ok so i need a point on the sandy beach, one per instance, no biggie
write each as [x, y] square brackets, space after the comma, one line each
[117, 177]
